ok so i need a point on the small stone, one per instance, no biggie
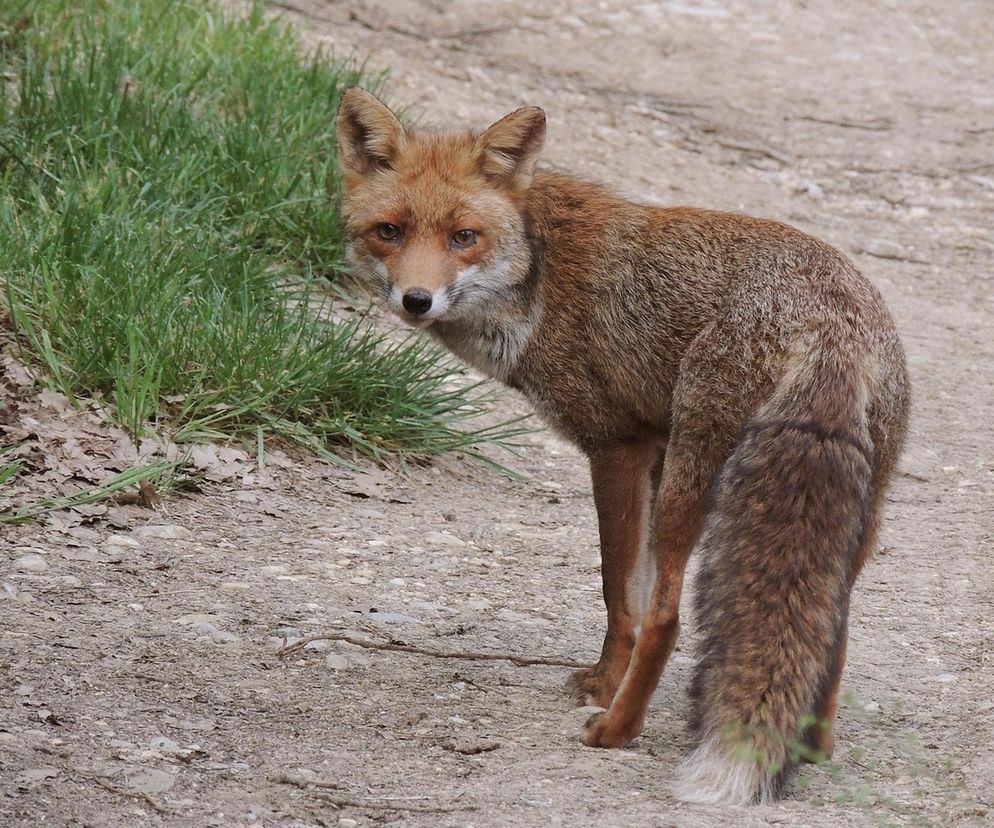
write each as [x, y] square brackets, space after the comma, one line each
[335, 661]
[25, 690]
[884, 249]
[289, 632]
[164, 531]
[164, 745]
[589, 710]
[347, 822]
[122, 540]
[29, 776]
[146, 780]
[195, 618]
[443, 539]
[87, 555]
[32, 562]
[221, 636]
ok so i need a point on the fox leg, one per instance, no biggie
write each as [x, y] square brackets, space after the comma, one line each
[679, 524]
[819, 737]
[623, 484]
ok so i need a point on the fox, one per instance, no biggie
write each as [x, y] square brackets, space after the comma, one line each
[737, 386]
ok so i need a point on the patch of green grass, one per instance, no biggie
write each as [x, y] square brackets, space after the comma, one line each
[160, 472]
[168, 222]
[9, 469]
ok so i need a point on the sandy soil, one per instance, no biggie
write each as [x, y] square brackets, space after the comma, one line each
[138, 664]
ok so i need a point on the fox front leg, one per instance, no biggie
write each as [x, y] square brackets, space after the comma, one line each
[624, 489]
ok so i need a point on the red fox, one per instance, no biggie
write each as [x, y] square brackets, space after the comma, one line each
[738, 387]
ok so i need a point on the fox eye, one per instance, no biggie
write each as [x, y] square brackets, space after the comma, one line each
[464, 238]
[388, 232]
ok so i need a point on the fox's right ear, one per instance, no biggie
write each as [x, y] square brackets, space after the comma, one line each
[369, 134]
[510, 147]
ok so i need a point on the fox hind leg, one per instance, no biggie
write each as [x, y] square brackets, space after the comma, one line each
[819, 738]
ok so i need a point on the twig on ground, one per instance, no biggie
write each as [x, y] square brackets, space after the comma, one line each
[153, 803]
[384, 803]
[348, 801]
[755, 149]
[879, 125]
[520, 661]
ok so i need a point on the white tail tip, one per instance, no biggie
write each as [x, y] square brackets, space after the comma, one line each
[709, 776]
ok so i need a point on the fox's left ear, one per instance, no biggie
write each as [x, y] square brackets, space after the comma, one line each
[510, 148]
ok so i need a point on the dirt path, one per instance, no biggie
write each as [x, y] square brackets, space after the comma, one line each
[138, 667]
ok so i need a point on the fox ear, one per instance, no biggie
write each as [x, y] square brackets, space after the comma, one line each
[510, 147]
[369, 134]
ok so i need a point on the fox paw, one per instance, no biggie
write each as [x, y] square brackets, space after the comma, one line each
[601, 730]
[590, 687]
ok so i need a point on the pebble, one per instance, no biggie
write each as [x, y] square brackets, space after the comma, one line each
[884, 249]
[347, 822]
[164, 745]
[195, 618]
[88, 555]
[335, 661]
[443, 539]
[146, 780]
[122, 540]
[221, 636]
[317, 645]
[589, 710]
[30, 775]
[164, 531]
[31, 562]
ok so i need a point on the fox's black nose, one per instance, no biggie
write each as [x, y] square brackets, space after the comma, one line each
[417, 301]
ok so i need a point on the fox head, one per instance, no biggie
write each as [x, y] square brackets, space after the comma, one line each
[434, 221]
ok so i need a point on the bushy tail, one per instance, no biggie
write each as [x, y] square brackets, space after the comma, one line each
[788, 515]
